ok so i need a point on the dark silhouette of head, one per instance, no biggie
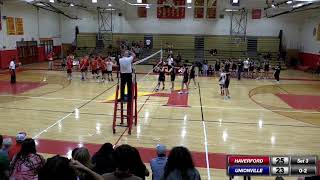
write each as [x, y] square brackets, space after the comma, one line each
[106, 148]
[123, 157]
[179, 159]
[57, 167]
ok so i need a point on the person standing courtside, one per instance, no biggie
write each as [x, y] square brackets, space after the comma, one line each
[12, 68]
[126, 74]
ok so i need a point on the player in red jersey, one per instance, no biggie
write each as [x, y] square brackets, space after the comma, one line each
[82, 67]
[94, 68]
[103, 69]
[69, 66]
[86, 64]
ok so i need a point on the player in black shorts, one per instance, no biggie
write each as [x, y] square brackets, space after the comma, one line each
[251, 69]
[192, 76]
[234, 68]
[277, 72]
[161, 78]
[185, 72]
[226, 86]
[227, 66]
[172, 72]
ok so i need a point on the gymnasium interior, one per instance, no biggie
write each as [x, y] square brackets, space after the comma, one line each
[261, 117]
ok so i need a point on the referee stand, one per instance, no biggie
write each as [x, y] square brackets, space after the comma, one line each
[131, 107]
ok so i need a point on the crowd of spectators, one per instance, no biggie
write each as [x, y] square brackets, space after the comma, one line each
[20, 161]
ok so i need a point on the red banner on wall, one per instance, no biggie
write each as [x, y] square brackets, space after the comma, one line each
[198, 12]
[256, 13]
[211, 9]
[142, 11]
[169, 9]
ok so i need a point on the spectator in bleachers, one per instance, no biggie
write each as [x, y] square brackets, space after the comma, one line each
[205, 69]
[123, 158]
[240, 69]
[178, 58]
[4, 163]
[57, 168]
[27, 163]
[21, 136]
[217, 68]
[180, 165]
[138, 168]
[103, 160]
[157, 164]
[83, 156]
[6, 145]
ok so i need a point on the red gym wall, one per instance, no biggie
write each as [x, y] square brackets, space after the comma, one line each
[6, 55]
[308, 59]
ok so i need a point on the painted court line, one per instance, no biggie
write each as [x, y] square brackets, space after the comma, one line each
[161, 105]
[205, 135]
[57, 122]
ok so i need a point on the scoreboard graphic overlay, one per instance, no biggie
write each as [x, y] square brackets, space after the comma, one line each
[272, 165]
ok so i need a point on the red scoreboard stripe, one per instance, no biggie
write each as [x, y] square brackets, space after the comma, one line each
[245, 160]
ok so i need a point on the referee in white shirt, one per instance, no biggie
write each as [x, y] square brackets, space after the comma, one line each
[12, 68]
[126, 74]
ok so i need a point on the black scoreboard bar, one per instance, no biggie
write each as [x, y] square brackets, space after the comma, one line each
[272, 165]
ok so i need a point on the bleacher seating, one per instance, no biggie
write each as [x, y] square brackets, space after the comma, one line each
[226, 46]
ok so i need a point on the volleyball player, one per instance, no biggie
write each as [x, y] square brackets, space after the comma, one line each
[251, 69]
[82, 68]
[94, 68]
[234, 68]
[259, 71]
[172, 72]
[192, 76]
[185, 80]
[226, 86]
[109, 64]
[69, 67]
[277, 72]
[86, 64]
[246, 67]
[103, 69]
[161, 78]
[221, 83]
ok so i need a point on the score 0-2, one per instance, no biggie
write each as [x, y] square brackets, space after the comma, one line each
[280, 165]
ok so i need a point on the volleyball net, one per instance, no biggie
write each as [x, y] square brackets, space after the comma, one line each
[154, 59]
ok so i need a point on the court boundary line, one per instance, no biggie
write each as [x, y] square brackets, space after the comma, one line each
[63, 118]
[204, 134]
[162, 105]
[174, 119]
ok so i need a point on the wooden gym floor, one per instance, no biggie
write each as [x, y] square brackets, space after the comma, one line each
[261, 118]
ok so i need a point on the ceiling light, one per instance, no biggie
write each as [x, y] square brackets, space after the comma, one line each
[139, 1]
[109, 5]
[94, 1]
[71, 4]
[298, 5]
[231, 10]
[289, 2]
[40, 4]
[28, 1]
[189, 7]
[189, 1]
[235, 1]
[147, 6]
[52, 1]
